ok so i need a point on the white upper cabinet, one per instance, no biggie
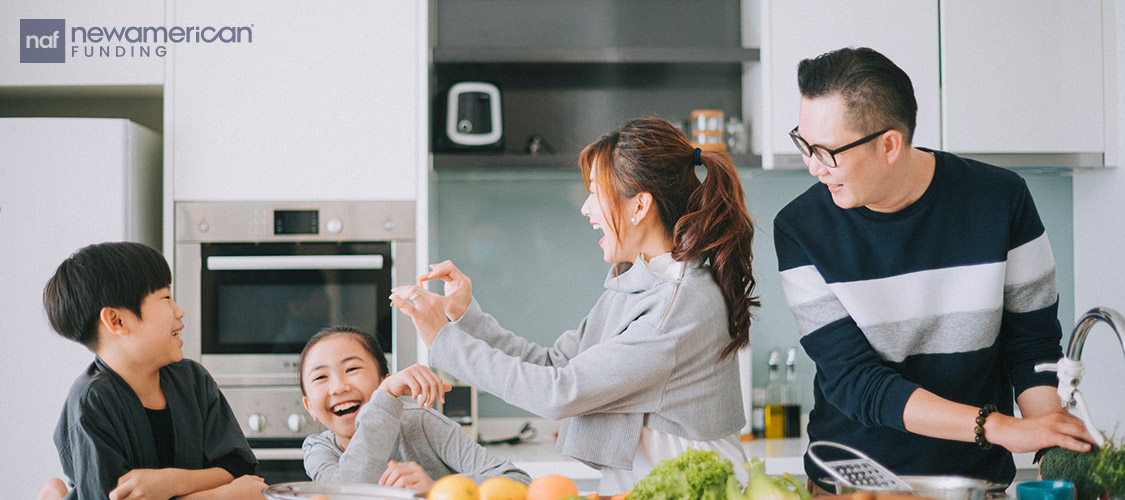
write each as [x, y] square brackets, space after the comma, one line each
[906, 32]
[89, 59]
[327, 102]
[1022, 77]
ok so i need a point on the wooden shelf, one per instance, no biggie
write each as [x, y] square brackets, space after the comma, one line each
[617, 55]
[519, 161]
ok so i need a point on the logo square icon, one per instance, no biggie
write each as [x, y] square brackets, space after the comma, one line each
[42, 40]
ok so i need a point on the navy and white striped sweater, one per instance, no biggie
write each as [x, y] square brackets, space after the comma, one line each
[955, 293]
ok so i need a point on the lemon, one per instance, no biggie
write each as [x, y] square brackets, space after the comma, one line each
[454, 487]
[502, 488]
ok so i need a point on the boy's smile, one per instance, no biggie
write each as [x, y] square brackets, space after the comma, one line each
[339, 377]
[157, 331]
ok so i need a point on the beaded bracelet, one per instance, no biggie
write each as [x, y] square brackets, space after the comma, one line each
[981, 417]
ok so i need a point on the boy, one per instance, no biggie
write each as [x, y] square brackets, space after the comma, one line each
[142, 421]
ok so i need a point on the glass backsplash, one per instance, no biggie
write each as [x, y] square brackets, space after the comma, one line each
[536, 265]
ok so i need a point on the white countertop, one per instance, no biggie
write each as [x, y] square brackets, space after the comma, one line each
[539, 456]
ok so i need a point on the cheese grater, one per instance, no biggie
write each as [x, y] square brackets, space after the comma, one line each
[861, 473]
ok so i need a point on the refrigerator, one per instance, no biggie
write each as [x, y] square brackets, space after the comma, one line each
[64, 183]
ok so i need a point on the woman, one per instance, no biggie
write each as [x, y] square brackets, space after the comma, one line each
[651, 370]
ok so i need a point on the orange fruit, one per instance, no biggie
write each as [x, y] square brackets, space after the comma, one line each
[502, 488]
[551, 487]
[620, 496]
[454, 487]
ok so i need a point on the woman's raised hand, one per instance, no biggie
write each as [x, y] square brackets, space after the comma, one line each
[458, 288]
[426, 310]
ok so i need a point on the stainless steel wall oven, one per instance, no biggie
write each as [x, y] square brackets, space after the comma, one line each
[257, 279]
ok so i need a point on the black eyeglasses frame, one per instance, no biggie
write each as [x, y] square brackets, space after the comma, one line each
[808, 150]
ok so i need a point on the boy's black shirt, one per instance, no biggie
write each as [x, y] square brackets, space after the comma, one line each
[104, 431]
[163, 436]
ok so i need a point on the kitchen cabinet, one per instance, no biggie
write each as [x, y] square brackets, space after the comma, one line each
[906, 32]
[571, 71]
[1022, 78]
[120, 64]
[327, 102]
[1015, 85]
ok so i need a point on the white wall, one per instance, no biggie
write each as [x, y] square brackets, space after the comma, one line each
[1099, 250]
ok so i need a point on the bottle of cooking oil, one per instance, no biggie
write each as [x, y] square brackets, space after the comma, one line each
[775, 409]
[791, 396]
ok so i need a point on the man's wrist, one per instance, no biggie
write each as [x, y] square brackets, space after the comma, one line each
[995, 425]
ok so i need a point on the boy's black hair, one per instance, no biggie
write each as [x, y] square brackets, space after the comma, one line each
[366, 340]
[114, 274]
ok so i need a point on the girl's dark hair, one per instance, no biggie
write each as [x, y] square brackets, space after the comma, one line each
[365, 340]
[116, 274]
[705, 219]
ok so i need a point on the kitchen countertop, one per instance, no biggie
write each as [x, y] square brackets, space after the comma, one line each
[539, 457]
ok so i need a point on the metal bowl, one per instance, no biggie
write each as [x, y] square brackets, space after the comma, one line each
[940, 487]
[304, 490]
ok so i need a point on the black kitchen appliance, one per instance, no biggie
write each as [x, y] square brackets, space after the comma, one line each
[469, 118]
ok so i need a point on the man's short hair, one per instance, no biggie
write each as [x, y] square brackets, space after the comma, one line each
[119, 274]
[878, 94]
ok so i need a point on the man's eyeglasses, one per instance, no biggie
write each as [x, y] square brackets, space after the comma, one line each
[823, 154]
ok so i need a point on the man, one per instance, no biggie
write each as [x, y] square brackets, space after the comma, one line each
[922, 283]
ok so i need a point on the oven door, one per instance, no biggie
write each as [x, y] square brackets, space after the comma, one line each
[260, 302]
[279, 460]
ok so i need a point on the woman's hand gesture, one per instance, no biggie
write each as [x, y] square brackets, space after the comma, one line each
[419, 382]
[425, 309]
[458, 288]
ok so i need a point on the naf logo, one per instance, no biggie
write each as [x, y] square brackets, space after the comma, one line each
[42, 40]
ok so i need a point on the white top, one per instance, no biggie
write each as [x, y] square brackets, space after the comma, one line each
[655, 446]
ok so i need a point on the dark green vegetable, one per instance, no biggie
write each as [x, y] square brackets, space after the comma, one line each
[1061, 463]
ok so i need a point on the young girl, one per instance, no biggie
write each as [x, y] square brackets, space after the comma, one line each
[371, 437]
[651, 370]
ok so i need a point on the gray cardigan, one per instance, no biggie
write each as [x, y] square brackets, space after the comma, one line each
[386, 431]
[646, 355]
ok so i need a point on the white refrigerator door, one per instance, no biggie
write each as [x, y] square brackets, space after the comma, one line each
[64, 183]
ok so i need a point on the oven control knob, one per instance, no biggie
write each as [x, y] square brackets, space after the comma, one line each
[257, 422]
[296, 422]
[334, 225]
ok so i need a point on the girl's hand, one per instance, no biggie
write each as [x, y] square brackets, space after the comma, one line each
[458, 288]
[425, 309]
[420, 383]
[406, 475]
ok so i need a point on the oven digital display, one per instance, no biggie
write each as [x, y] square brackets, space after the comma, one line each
[296, 222]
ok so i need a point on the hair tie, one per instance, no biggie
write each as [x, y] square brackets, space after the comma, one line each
[698, 160]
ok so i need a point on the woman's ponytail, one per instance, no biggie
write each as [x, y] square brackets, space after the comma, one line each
[718, 229]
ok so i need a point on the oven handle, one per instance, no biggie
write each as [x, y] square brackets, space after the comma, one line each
[278, 453]
[289, 262]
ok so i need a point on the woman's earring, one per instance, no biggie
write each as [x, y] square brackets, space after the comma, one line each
[633, 220]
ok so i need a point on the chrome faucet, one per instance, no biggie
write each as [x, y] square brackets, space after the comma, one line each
[1070, 367]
